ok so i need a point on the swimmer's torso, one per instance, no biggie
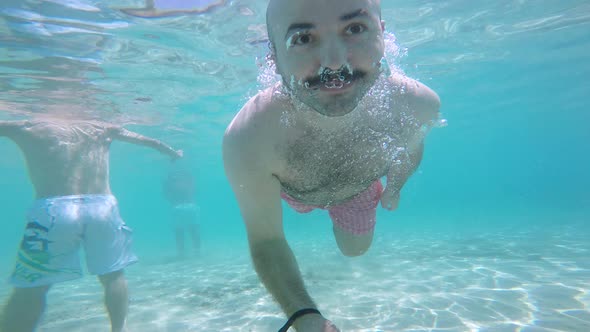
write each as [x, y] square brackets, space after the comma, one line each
[329, 161]
[66, 158]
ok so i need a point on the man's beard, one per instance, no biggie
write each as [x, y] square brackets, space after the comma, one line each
[313, 91]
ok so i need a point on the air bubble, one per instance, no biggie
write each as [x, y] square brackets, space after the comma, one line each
[441, 123]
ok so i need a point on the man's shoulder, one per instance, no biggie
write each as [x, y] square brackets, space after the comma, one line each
[413, 89]
[14, 124]
[418, 97]
[258, 116]
[13, 129]
[251, 136]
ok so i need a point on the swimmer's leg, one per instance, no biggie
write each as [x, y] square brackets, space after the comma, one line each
[115, 298]
[180, 241]
[24, 309]
[354, 221]
[195, 236]
[352, 245]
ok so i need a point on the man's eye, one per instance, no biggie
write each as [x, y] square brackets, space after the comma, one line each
[355, 29]
[300, 39]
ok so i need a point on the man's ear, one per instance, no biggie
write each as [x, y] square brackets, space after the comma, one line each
[382, 26]
[272, 56]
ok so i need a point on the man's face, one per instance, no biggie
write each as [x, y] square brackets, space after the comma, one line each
[328, 52]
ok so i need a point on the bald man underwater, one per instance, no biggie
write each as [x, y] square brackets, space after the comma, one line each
[68, 165]
[323, 138]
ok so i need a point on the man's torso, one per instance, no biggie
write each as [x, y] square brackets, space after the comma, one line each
[66, 158]
[325, 161]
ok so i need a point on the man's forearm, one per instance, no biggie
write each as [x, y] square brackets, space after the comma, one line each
[135, 138]
[403, 167]
[277, 269]
[160, 146]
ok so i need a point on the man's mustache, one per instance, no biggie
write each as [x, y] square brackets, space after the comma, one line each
[327, 76]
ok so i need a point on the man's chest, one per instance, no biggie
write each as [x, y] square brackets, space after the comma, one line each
[315, 159]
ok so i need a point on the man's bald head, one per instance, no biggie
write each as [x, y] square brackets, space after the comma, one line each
[278, 8]
[327, 52]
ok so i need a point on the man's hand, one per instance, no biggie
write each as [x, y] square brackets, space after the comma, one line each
[178, 154]
[314, 323]
[390, 198]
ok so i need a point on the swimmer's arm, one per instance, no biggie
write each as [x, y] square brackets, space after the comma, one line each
[422, 101]
[128, 136]
[11, 128]
[258, 195]
[404, 166]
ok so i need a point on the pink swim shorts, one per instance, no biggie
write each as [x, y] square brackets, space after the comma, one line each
[356, 216]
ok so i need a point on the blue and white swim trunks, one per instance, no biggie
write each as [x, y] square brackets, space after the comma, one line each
[58, 226]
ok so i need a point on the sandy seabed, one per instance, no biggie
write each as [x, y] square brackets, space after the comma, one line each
[502, 281]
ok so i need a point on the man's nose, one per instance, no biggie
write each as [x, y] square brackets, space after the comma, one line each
[334, 55]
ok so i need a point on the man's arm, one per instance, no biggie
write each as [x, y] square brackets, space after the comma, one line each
[404, 166]
[421, 101]
[125, 135]
[258, 193]
[423, 105]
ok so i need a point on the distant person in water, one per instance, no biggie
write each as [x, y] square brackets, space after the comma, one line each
[68, 165]
[166, 8]
[179, 190]
[322, 138]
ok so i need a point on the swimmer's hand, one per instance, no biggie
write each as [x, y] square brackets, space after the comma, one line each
[314, 323]
[390, 198]
[179, 154]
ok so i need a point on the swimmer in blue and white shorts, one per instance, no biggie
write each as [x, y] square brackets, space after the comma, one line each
[56, 229]
[68, 164]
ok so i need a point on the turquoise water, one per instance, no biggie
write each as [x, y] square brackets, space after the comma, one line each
[491, 234]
